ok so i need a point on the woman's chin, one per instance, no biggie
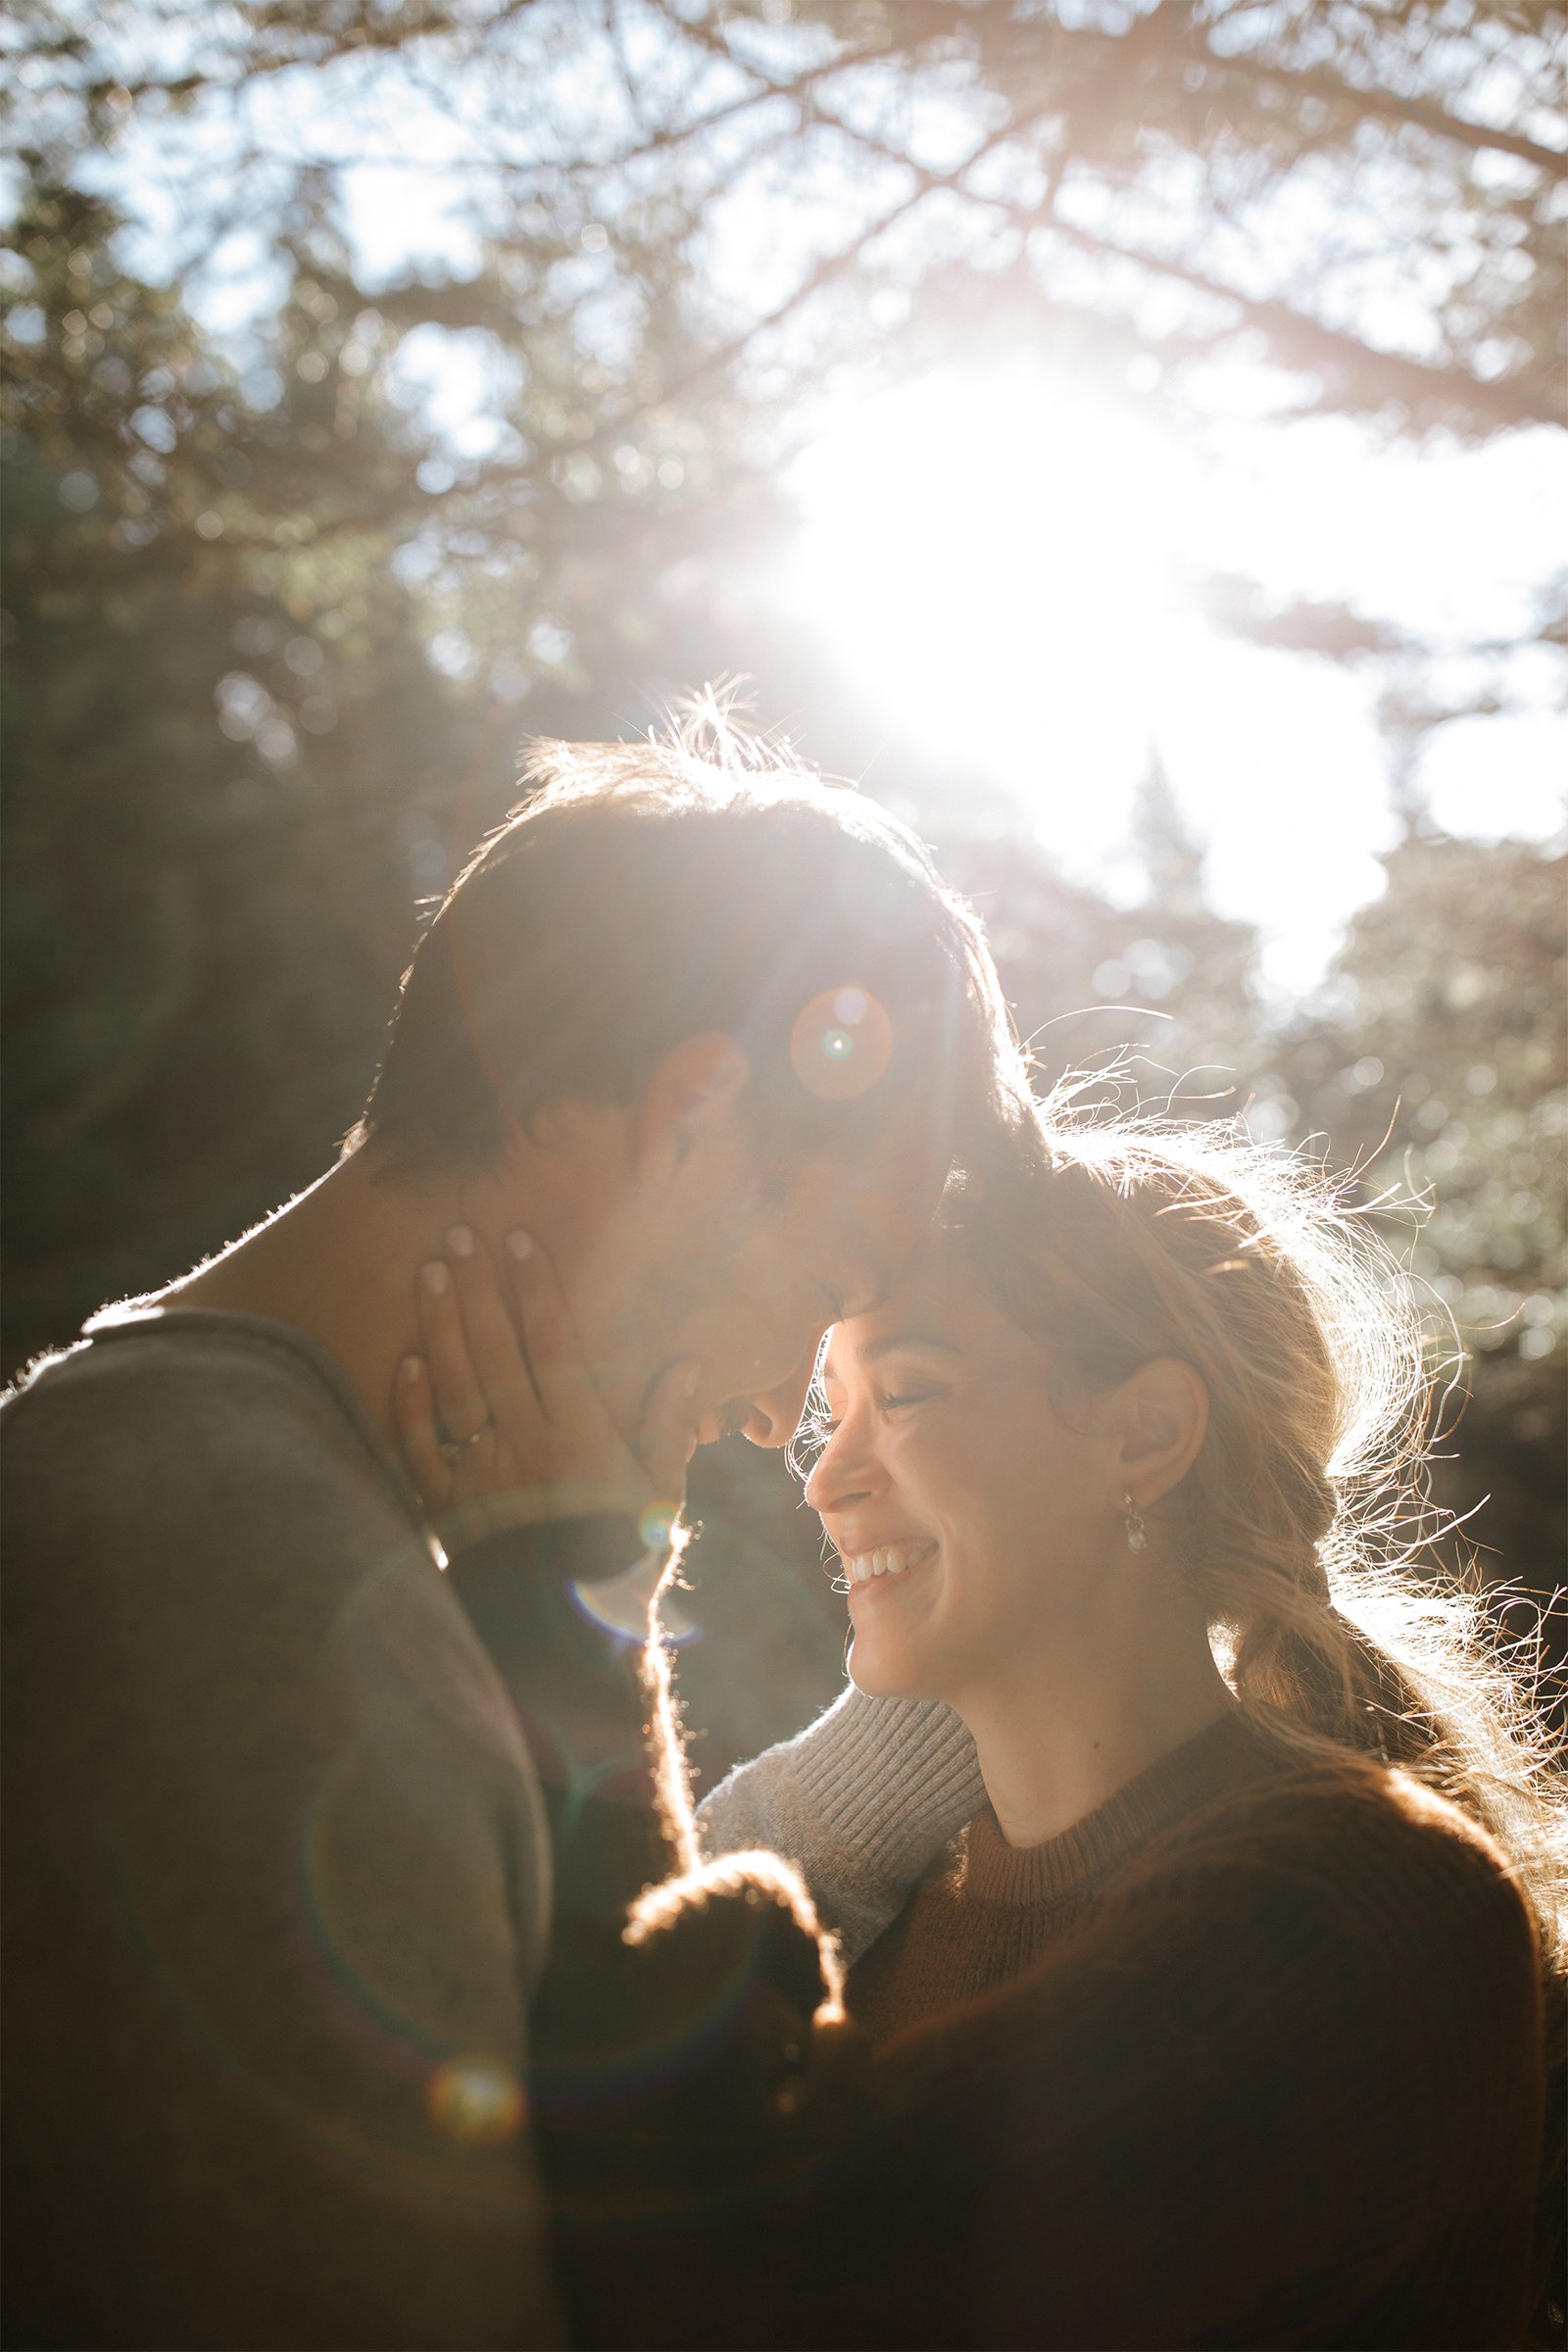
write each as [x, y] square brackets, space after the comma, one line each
[879, 1673]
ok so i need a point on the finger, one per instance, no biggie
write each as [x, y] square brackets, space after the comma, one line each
[413, 1411]
[549, 1336]
[497, 1361]
[667, 1436]
[459, 1405]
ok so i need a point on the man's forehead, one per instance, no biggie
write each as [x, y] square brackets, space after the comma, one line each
[898, 1173]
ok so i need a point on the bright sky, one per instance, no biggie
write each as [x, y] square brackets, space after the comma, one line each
[1010, 576]
[1006, 571]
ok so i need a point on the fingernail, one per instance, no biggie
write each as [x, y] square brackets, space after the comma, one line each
[434, 1276]
[520, 1244]
[410, 1368]
[688, 1387]
[460, 1239]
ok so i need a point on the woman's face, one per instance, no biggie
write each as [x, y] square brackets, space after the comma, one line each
[950, 1471]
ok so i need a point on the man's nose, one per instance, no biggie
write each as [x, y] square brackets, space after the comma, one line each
[772, 1419]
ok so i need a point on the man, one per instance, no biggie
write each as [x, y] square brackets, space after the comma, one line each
[701, 1033]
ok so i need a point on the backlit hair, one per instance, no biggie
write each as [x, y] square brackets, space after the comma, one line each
[1305, 1521]
[701, 880]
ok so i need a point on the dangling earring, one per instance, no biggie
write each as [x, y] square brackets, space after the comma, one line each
[1137, 1532]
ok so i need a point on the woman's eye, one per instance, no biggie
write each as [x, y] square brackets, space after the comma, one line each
[890, 1404]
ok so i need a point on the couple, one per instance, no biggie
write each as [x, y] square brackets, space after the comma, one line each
[1193, 2007]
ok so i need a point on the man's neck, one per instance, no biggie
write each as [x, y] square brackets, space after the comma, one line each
[341, 1263]
[1058, 1738]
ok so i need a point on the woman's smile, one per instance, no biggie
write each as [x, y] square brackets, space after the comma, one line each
[955, 1500]
[885, 1563]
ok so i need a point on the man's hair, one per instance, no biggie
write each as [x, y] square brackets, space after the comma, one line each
[700, 880]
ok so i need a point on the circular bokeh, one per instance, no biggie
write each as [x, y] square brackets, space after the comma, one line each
[841, 1044]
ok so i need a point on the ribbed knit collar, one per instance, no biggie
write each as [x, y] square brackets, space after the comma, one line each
[1223, 1755]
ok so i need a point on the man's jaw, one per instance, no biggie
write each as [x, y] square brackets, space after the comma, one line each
[730, 1420]
[772, 1418]
[744, 1417]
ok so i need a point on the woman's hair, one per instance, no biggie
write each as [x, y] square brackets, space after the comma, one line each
[1305, 1521]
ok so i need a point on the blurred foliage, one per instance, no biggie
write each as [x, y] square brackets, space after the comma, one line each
[214, 671]
[266, 658]
[660, 232]
[1170, 179]
[1436, 1059]
[274, 628]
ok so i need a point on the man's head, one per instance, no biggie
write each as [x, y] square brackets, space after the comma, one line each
[733, 1021]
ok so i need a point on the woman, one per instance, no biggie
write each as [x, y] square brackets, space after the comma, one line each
[1222, 2022]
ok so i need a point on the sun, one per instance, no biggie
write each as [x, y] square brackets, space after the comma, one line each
[1004, 566]
[991, 558]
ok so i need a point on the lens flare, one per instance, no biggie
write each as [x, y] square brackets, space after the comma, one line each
[841, 1044]
[655, 1525]
[619, 1604]
[477, 2101]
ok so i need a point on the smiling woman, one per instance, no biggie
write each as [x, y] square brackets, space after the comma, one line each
[1222, 2020]
[982, 1521]
[1145, 1408]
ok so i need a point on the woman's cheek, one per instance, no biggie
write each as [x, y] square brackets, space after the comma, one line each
[930, 1467]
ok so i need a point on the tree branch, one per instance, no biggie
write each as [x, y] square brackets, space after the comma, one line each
[1305, 341]
[1390, 106]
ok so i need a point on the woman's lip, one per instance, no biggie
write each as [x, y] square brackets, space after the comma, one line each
[925, 1550]
[857, 1551]
[880, 1587]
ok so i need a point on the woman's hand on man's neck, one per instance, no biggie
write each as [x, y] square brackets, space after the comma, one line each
[341, 1263]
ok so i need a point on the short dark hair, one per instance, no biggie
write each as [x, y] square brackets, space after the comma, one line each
[646, 892]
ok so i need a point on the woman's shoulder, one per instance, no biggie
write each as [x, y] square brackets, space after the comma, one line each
[1364, 1849]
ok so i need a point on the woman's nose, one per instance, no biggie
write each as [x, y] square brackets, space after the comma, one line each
[843, 1474]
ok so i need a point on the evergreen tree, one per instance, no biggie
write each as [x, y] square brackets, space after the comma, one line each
[1437, 1060]
[226, 757]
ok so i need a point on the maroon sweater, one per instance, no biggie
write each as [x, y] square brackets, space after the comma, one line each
[1251, 2057]
[986, 1911]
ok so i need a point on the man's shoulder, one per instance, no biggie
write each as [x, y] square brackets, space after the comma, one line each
[159, 1436]
[123, 1351]
[197, 1507]
[220, 1391]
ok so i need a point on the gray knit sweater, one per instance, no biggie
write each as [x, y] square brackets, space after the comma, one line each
[863, 1800]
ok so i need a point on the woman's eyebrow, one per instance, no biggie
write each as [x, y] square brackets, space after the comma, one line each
[873, 1349]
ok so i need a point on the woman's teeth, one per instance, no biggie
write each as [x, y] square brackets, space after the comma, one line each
[891, 1560]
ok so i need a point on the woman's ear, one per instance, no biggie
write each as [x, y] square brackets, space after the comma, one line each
[1162, 1419]
[693, 1087]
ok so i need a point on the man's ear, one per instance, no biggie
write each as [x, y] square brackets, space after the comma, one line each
[692, 1087]
[1163, 1418]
